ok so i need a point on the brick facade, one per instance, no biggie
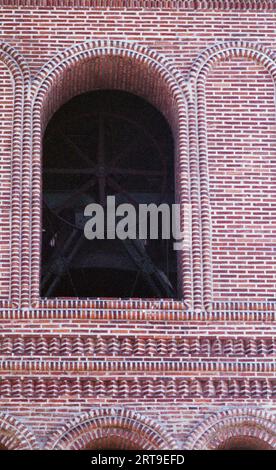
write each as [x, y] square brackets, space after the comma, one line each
[196, 373]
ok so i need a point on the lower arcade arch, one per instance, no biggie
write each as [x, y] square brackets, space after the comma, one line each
[235, 429]
[14, 435]
[110, 430]
[115, 439]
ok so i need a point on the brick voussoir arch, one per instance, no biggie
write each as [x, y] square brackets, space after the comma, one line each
[107, 423]
[224, 50]
[160, 74]
[92, 49]
[197, 78]
[20, 74]
[14, 435]
[237, 422]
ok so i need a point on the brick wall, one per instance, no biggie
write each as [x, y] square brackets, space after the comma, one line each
[38, 34]
[241, 132]
[185, 366]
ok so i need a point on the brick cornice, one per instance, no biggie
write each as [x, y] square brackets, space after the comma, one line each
[216, 5]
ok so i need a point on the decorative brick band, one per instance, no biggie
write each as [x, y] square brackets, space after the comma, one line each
[198, 76]
[259, 5]
[75, 311]
[136, 346]
[14, 435]
[242, 422]
[142, 306]
[173, 366]
[137, 388]
[134, 429]
[120, 65]
[20, 76]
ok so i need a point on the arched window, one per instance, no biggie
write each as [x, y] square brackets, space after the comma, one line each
[102, 144]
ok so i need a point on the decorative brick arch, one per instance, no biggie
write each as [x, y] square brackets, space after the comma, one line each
[198, 75]
[14, 435]
[247, 424]
[21, 78]
[119, 428]
[114, 65]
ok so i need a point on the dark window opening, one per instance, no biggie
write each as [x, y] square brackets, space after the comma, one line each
[244, 443]
[99, 144]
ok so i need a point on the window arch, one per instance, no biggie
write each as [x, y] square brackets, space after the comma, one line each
[111, 66]
[113, 428]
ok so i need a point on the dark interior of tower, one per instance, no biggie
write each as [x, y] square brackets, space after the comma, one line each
[99, 144]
